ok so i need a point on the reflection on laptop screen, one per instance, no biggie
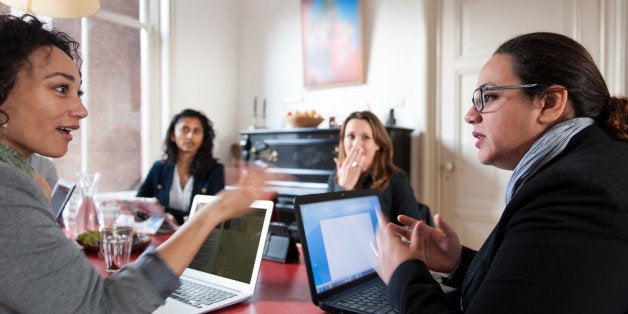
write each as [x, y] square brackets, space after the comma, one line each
[60, 195]
[338, 235]
[230, 249]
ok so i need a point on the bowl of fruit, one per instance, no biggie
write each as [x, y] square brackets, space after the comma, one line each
[303, 119]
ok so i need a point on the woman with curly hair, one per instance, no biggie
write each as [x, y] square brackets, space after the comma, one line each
[40, 109]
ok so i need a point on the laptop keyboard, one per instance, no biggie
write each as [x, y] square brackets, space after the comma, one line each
[371, 300]
[199, 295]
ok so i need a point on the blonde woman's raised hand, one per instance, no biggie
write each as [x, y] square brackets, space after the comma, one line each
[350, 169]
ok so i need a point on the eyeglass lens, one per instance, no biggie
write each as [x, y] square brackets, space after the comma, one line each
[477, 100]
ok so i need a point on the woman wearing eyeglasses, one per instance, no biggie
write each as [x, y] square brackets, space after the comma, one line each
[542, 110]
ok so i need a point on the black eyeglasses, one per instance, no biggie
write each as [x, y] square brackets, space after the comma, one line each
[479, 98]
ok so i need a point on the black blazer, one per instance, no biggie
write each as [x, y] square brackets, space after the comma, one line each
[159, 181]
[560, 246]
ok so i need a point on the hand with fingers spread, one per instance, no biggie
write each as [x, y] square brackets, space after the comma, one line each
[350, 169]
[391, 249]
[438, 248]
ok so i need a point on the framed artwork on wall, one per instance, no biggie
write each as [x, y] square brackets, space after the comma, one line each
[332, 43]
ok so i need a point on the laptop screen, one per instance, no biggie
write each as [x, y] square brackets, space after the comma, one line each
[338, 235]
[231, 248]
[60, 195]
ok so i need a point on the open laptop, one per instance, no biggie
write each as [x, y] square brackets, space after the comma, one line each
[59, 197]
[227, 265]
[337, 233]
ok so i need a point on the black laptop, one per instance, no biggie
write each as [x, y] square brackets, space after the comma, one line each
[337, 233]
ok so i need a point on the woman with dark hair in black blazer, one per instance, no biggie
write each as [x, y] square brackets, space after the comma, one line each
[188, 168]
[543, 110]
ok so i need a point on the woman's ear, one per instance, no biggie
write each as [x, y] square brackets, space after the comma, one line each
[554, 104]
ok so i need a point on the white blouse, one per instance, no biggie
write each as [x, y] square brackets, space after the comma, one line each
[180, 198]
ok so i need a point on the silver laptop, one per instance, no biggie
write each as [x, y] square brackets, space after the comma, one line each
[226, 267]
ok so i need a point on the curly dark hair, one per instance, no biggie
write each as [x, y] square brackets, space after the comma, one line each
[204, 159]
[383, 165]
[20, 37]
[553, 59]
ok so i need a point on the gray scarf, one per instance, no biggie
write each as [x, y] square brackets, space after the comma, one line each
[15, 159]
[548, 146]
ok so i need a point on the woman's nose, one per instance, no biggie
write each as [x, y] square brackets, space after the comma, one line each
[472, 116]
[358, 143]
[80, 111]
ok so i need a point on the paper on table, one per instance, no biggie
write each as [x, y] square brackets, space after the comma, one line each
[151, 213]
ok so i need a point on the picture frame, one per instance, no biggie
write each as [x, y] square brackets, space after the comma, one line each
[332, 43]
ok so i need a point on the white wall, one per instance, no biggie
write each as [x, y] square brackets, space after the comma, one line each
[271, 62]
[203, 62]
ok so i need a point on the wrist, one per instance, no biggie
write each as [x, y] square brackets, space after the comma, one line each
[453, 270]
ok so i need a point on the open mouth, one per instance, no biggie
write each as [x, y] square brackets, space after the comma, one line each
[64, 130]
[480, 138]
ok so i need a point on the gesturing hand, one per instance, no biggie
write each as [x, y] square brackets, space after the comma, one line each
[391, 250]
[251, 186]
[438, 248]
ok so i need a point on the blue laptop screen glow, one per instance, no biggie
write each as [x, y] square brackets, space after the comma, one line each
[339, 234]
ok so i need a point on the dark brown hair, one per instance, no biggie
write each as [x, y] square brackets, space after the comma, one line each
[204, 158]
[19, 38]
[383, 166]
[553, 59]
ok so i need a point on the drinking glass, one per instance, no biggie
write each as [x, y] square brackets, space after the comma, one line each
[116, 243]
[108, 214]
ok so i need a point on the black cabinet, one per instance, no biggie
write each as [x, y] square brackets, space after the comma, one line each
[306, 155]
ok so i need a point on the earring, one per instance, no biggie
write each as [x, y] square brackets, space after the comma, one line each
[4, 128]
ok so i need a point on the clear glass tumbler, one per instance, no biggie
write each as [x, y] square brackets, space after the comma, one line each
[116, 243]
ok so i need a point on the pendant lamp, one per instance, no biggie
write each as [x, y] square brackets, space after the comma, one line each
[61, 9]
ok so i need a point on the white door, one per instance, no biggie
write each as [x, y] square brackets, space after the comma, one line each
[470, 196]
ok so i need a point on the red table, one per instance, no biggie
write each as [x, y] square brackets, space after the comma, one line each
[280, 287]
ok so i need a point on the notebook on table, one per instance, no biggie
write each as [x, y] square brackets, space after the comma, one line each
[226, 267]
[337, 232]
